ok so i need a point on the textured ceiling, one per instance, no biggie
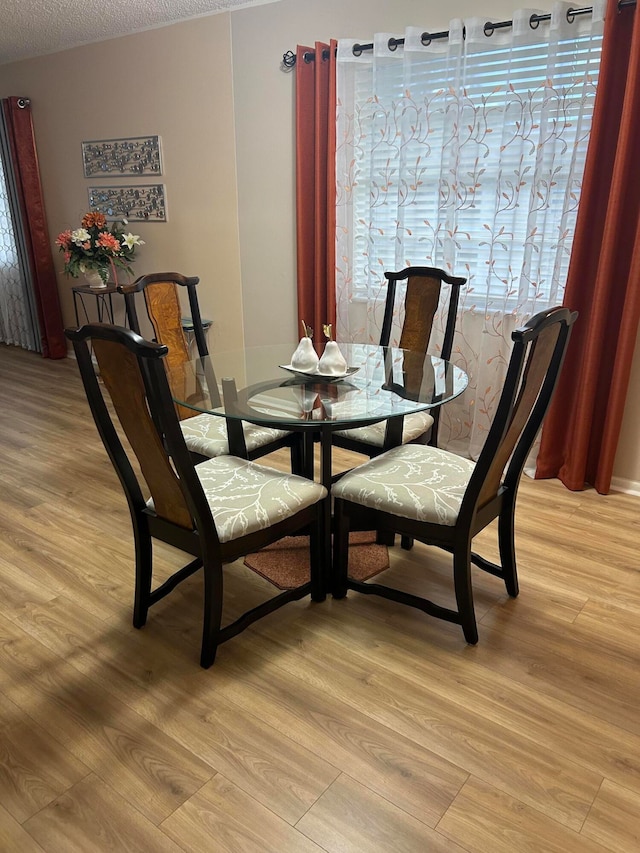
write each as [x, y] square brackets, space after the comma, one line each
[35, 27]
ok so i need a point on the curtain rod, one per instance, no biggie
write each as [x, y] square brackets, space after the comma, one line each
[289, 58]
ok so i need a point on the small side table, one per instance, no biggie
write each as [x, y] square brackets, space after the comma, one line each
[104, 302]
[187, 328]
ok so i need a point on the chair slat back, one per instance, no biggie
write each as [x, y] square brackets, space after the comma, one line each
[164, 310]
[534, 366]
[423, 292]
[165, 313]
[120, 371]
[420, 305]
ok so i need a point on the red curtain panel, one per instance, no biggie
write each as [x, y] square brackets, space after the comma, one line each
[581, 434]
[315, 185]
[24, 165]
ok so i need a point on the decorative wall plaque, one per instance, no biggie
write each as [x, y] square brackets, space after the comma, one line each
[141, 203]
[107, 158]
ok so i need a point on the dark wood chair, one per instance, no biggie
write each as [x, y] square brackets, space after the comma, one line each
[207, 436]
[216, 511]
[444, 500]
[424, 285]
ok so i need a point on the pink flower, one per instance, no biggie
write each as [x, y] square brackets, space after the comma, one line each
[63, 239]
[108, 241]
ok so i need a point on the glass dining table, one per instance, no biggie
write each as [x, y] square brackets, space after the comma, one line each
[258, 384]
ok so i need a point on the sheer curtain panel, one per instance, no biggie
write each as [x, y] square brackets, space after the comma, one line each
[465, 153]
[18, 324]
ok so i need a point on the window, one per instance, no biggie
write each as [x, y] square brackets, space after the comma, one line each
[472, 161]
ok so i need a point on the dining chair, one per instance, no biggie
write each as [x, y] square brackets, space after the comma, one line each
[423, 289]
[216, 511]
[442, 499]
[207, 436]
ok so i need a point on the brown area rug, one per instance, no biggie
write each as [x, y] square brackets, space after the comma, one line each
[285, 564]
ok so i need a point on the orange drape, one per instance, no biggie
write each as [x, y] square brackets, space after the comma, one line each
[315, 186]
[583, 425]
[25, 169]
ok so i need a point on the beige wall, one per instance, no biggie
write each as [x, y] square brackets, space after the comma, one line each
[626, 470]
[175, 82]
[213, 89]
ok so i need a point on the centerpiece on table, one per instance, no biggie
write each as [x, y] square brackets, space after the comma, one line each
[96, 250]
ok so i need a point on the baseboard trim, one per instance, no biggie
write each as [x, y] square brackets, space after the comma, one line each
[629, 487]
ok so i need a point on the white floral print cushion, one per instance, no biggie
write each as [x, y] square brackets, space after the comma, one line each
[245, 497]
[413, 426]
[413, 481]
[207, 435]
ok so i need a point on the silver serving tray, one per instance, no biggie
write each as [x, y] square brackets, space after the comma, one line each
[322, 377]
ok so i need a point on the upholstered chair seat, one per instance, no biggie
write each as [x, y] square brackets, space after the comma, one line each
[245, 497]
[412, 481]
[207, 435]
[374, 435]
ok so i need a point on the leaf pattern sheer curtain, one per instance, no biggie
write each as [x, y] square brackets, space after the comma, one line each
[467, 154]
[16, 326]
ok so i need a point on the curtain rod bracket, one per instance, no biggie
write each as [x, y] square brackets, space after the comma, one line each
[289, 59]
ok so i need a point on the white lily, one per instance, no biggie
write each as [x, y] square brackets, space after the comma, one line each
[131, 240]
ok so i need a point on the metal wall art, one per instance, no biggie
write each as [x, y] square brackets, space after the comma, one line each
[142, 203]
[139, 155]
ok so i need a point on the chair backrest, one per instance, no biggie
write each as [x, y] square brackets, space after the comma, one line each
[132, 374]
[534, 366]
[424, 285]
[165, 313]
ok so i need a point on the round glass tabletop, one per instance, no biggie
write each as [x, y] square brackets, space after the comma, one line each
[259, 385]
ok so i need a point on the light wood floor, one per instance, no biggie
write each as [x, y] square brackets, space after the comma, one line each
[353, 726]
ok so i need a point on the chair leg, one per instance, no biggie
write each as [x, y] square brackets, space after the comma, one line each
[340, 562]
[464, 591]
[318, 558]
[506, 544]
[212, 611]
[144, 572]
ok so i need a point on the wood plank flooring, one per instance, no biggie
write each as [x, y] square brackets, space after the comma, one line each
[351, 726]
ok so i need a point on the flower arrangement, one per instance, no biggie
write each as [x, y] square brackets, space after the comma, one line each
[94, 246]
